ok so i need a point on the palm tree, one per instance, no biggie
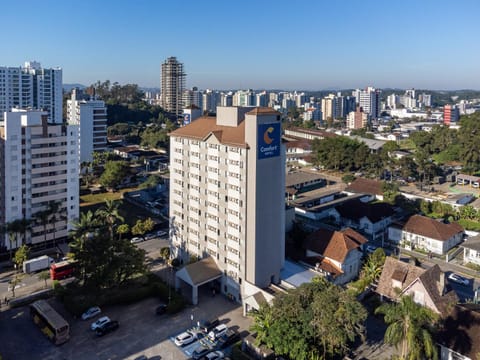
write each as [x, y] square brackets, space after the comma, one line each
[25, 225]
[410, 325]
[13, 229]
[111, 214]
[43, 218]
[55, 216]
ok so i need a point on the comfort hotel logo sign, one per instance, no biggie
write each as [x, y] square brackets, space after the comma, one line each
[269, 136]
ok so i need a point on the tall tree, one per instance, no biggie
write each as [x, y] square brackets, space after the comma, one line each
[410, 325]
[110, 213]
[114, 173]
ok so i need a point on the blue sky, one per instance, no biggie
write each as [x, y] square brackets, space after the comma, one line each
[257, 44]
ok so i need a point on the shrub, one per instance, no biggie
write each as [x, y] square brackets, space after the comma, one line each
[473, 266]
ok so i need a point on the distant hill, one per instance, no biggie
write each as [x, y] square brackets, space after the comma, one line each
[69, 87]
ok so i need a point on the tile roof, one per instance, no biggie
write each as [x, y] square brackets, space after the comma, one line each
[461, 330]
[324, 264]
[431, 228]
[433, 281]
[334, 244]
[356, 209]
[395, 269]
[205, 126]
[366, 186]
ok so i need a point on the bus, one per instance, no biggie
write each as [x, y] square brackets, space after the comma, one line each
[62, 269]
[50, 322]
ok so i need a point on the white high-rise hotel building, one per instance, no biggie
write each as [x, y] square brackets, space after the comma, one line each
[33, 87]
[38, 167]
[227, 185]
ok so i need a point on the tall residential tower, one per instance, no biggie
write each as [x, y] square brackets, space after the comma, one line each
[172, 86]
[32, 87]
[38, 168]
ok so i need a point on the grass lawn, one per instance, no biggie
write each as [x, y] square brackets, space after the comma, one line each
[92, 199]
[130, 212]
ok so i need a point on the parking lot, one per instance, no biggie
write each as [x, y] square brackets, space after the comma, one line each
[140, 332]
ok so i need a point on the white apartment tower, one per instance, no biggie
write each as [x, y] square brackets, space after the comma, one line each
[369, 101]
[227, 184]
[172, 86]
[32, 87]
[91, 117]
[38, 166]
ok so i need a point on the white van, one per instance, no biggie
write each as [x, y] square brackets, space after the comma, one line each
[217, 332]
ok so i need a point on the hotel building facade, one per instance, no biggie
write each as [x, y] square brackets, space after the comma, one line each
[227, 185]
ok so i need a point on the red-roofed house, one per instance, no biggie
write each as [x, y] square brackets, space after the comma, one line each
[431, 235]
[336, 254]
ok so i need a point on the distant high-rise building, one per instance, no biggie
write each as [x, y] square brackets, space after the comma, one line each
[450, 114]
[91, 116]
[392, 101]
[244, 98]
[38, 167]
[357, 119]
[192, 97]
[329, 107]
[32, 87]
[369, 101]
[425, 99]
[172, 86]
[224, 205]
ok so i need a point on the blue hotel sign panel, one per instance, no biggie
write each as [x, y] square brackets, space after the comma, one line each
[269, 137]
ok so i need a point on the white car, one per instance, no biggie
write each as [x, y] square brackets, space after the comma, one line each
[185, 338]
[90, 313]
[99, 323]
[136, 240]
[458, 279]
[215, 355]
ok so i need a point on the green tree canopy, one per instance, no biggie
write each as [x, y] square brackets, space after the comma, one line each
[313, 320]
[114, 173]
[141, 227]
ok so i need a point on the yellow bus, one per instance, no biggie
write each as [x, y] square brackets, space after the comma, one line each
[50, 322]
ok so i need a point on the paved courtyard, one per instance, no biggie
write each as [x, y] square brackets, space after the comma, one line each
[140, 332]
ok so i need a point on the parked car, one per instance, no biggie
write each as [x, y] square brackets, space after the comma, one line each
[161, 233]
[214, 355]
[185, 338]
[231, 337]
[100, 322]
[200, 352]
[161, 309]
[150, 236]
[207, 325]
[141, 357]
[458, 279]
[217, 332]
[90, 313]
[107, 327]
[370, 248]
[136, 240]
